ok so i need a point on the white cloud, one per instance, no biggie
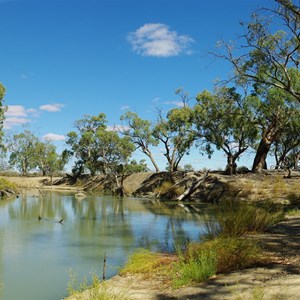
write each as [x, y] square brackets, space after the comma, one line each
[18, 115]
[16, 111]
[154, 39]
[54, 137]
[156, 99]
[51, 107]
[14, 121]
[177, 103]
[125, 107]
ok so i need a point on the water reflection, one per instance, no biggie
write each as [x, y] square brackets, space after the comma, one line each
[36, 254]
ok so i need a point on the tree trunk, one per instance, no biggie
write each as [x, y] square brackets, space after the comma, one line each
[153, 162]
[231, 165]
[261, 155]
[296, 162]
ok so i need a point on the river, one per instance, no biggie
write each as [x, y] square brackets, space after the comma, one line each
[37, 256]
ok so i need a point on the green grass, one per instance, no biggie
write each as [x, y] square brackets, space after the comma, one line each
[198, 263]
[147, 263]
[194, 269]
[4, 184]
[235, 218]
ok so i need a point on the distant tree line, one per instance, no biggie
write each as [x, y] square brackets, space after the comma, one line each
[257, 108]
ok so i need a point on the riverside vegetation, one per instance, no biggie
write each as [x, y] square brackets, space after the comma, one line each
[226, 247]
[248, 204]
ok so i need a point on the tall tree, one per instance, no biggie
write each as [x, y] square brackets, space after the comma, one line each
[96, 148]
[269, 50]
[84, 143]
[287, 145]
[3, 109]
[141, 133]
[48, 160]
[222, 120]
[274, 111]
[22, 147]
[175, 135]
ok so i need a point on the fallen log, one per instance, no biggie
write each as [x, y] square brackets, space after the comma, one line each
[190, 190]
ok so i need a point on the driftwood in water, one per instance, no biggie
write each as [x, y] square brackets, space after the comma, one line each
[190, 190]
[40, 191]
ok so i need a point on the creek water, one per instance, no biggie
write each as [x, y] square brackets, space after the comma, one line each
[38, 257]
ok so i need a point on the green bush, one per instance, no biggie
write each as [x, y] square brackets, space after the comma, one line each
[195, 268]
[235, 218]
[231, 253]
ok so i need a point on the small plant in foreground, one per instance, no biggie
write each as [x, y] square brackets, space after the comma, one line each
[148, 263]
[194, 269]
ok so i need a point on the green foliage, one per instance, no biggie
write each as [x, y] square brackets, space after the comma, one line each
[195, 269]
[174, 132]
[141, 134]
[97, 148]
[23, 151]
[136, 167]
[221, 119]
[272, 57]
[2, 116]
[147, 263]
[230, 253]
[235, 218]
[7, 184]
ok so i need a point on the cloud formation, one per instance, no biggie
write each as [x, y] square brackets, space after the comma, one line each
[155, 39]
[52, 107]
[19, 115]
[54, 137]
[176, 103]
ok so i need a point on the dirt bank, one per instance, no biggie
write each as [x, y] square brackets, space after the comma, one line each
[279, 279]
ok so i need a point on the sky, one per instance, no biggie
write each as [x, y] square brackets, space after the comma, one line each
[63, 59]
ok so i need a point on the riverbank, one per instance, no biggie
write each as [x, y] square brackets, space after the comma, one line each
[278, 279]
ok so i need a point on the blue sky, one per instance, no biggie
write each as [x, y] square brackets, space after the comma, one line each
[62, 59]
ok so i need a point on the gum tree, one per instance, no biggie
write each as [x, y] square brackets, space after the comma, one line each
[221, 120]
[175, 135]
[141, 134]
[269, 50]
[97, 148]
[3, 109]
[274, 110]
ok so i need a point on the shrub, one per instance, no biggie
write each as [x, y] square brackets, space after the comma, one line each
[230, 253]
[147, 263]
[235, 218]
[194, 269]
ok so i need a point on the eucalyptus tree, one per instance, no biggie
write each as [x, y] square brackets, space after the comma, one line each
[47, 158]
[274, 111]
[22, 148]
[113, 150]
[84, 143]
[3, 109]
[141, 134]
[269, 50]
[175, 135]
[221, 121]
[287, 146]
[96, 148]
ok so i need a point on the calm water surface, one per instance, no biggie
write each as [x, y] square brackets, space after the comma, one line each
[36, 256]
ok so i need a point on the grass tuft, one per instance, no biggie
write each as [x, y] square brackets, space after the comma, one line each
[147, 263]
